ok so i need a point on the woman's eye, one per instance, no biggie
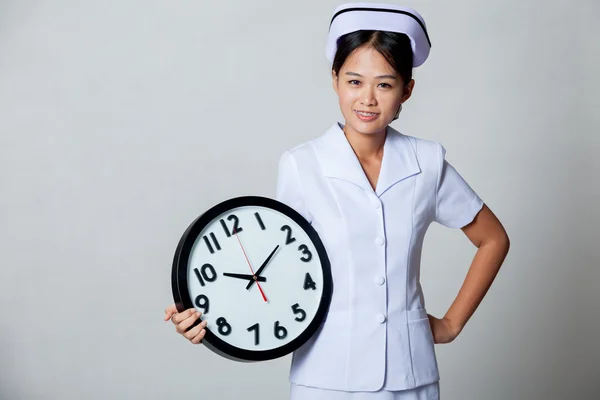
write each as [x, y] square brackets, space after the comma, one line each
[353, 82]
[386, 85]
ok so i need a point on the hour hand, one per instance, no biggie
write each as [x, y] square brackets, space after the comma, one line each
[245, 276]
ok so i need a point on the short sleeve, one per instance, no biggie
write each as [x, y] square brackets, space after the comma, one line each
[457, 204]
[289, 189]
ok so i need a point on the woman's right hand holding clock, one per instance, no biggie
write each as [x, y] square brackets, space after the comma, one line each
[183, 320]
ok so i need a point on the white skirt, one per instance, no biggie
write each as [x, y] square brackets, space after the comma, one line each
[425, 392]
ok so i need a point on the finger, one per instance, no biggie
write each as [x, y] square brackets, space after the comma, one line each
[169, 311]
[186, 323]
[177, 318]
[198, 338]
[195, 330]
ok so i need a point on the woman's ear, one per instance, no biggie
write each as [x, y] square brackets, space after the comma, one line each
[334, 78]
[408, 88]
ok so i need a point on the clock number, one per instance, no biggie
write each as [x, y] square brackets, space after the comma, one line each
[255, 328]
[289, 239]
[236, 227]
[297, 310]
[306, 252]
[203, 275]
[280, 331]
[202, 302]
[260, 222]
[224, 327]
[215, 241]
[309, 283]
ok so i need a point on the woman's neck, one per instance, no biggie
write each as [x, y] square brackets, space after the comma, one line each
[366, 146]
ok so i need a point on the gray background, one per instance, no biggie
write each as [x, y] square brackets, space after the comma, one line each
[121, 121]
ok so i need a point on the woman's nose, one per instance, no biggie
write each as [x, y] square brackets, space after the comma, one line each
[368, 96]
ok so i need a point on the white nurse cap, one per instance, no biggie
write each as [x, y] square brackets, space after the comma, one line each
[380, 17]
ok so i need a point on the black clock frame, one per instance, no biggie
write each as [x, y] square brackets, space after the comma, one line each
[179, 276]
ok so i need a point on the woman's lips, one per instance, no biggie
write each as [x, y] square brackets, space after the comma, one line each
[366, 116]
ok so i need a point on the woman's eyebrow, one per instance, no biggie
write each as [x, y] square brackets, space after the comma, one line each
[377, 77]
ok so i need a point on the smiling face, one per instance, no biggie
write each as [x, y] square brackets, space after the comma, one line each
[370, 91]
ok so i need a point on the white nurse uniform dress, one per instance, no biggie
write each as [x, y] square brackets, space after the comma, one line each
[376, 340]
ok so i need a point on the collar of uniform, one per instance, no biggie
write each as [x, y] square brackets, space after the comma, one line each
[339, 161]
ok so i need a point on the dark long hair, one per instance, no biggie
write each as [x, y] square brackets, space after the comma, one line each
[395, 47]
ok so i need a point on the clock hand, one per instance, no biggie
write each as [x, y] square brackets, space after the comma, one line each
[264, 264]
[246, 276]
[248, 261]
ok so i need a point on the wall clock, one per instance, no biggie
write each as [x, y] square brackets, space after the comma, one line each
[258, 272]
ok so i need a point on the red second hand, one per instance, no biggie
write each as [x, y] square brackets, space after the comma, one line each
[248, 261]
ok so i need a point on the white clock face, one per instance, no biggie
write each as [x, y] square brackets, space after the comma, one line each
[249, 305]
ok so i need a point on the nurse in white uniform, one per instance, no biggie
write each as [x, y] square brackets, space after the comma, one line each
[371, 192]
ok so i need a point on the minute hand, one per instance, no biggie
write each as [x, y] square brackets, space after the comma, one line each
[264, 264]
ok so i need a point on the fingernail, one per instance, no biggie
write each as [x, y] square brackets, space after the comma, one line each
[204, 323]
[198, 313]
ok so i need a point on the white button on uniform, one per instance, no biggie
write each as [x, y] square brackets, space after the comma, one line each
[380, 241]
[380, 318]
[376, 203]
[379, 280]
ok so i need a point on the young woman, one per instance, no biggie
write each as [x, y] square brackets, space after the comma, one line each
[371, 192]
